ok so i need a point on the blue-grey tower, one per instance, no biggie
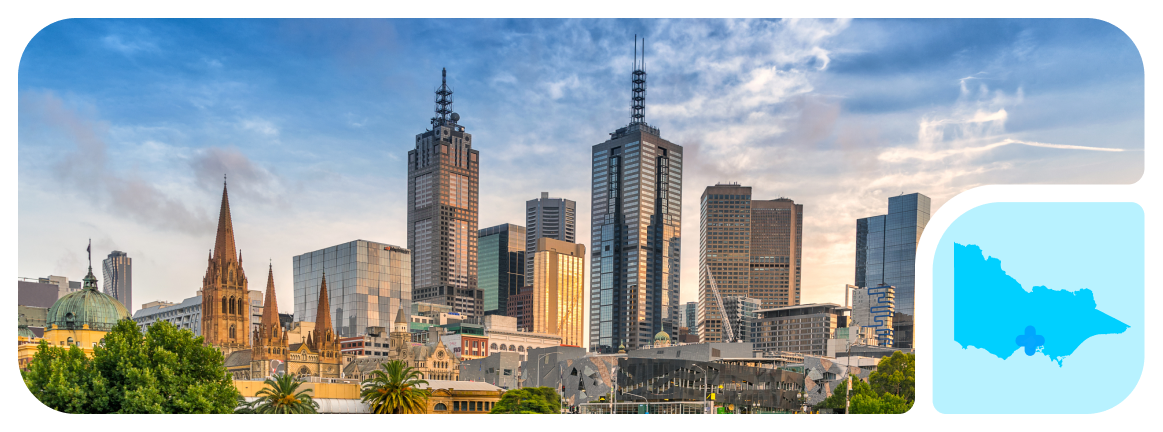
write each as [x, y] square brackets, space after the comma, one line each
[886, 250]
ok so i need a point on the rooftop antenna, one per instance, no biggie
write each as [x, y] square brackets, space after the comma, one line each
[443, 100]
[638, 78]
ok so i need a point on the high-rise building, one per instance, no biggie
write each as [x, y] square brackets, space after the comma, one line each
[741, 313]
[558, 289]
[554, 218]
[872, 312]
[117, 274]
[886, 250]
[225, 311]
[501, 265]
[751, 247]
[366, 281]
[443, 177]
[690, 316]
[635, 238]
[801, 329]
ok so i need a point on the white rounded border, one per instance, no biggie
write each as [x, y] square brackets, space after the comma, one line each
[1139, 401]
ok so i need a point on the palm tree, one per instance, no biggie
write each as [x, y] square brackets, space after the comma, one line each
[280, 397]
[392, 390]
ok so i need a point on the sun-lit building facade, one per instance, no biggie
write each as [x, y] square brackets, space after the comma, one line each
[559, 290]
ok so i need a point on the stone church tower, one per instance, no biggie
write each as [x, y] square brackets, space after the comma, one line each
[270, 341]
[225, 309]
[323, 340]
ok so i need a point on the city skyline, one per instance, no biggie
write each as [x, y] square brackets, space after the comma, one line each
[792, 100]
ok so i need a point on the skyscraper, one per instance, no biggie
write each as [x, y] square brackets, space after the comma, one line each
[367, 282]
[690, 316]
[886, 249]
[501, 265]
[443, 177]
[635, 238]
[751, 247]
[555, 218]
[558, 289]
[117, 275]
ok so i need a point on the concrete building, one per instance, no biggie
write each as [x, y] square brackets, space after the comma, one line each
[37, 294]
[63, 284]
[689, 315]
[504, 336]
[886, 249]
[751, 247]
[500, 369]
[374, 342]
[501, 264]
[521, 307]
[636, 232]
[443, 191]
[872, 311]
[367, 282]
[186, 315]
[117, 277]
[546, 217]
[542, 367]
[255, 299]
[799, 329]
[559, 290]
[741, 313]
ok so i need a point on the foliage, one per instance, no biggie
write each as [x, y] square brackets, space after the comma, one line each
[529, 400]
[281, 396]
[896, 375]
[890, 390]
[391, 389]
[165, 370]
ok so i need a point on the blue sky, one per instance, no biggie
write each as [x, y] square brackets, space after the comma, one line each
[126, 126]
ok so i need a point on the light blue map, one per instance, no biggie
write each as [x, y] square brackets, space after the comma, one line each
[1038, 308]
[993, 312]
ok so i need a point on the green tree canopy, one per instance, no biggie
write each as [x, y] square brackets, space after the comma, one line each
[392, 389]
[281, 396]
[896, 374]
[528, 400]
[889, 390]
[165, 370]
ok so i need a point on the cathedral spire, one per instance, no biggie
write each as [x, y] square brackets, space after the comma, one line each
[224, 241]
[323, 313]
[270, 309]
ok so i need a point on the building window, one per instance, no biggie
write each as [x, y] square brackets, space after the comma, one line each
[440, 407]
[456, 405]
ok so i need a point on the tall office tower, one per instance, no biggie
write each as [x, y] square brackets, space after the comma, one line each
[555, 218]
[690, 316]
[117, 275]
[751, 247]
[886, 250]
[367, 282]
[443, 175]
[741, 313]
[559, 271]
[225, 313]
[635, 239]
[872, 311]
[501, 265]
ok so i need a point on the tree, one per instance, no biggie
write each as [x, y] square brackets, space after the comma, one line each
[896, 375]
[529, 400]
[165, 370]
[392, 389]
[281, 396]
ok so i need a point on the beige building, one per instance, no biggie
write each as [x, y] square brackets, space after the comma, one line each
[504, 336]
[559, 289]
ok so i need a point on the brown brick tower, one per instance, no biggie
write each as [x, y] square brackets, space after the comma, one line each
[225, 310]
[270, 341]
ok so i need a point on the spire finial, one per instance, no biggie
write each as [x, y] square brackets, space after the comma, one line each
[638, 88]
[89, 250]
[443, 100]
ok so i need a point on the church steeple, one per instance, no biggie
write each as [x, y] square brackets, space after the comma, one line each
[224, 248]
[270, 310]
[322, 313]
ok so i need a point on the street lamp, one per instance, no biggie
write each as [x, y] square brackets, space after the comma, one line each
[643, 398]
[705, 388]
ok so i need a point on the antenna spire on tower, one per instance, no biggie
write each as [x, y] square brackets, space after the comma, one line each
[638, 89]
[443, 100]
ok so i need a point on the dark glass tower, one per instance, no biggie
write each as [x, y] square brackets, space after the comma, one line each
[443, 177]
[886, 250]
[635, 238]
[501, 264]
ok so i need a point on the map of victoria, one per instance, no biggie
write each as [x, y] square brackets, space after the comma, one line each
[992, 311]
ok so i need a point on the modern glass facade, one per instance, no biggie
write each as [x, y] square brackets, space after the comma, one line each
[886, 249]
[117, 275]
[753, 249]
[554, 218]
[367, 283]
[500, 265]
[559, 290]
[690, 316]
[637, 213]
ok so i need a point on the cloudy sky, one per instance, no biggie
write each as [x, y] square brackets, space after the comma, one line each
[127, 126]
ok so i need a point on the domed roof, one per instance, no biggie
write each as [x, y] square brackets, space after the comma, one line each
[86, 307]
[24, 332]
[661, 336]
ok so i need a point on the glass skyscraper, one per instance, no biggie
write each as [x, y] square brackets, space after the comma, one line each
[500, 265]
[555, 218]
[886, 249]
[367, 283]
[635, 237]
[117, 272]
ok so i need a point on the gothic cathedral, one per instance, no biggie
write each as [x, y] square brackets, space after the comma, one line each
[225, 310]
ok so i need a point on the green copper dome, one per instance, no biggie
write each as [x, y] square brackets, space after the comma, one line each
[24, 332]
[661, 336]
[87, 307]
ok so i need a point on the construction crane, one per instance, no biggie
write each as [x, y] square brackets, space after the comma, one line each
[729, 335]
